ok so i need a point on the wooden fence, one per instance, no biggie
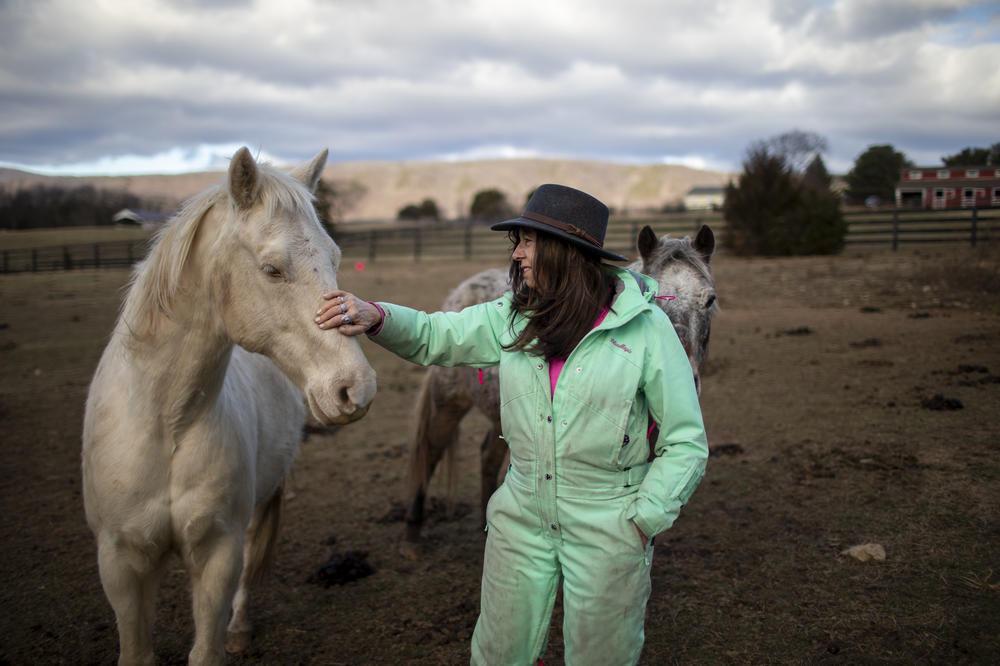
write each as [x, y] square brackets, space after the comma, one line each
[472, 240]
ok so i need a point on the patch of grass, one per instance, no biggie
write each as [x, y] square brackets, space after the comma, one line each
[974, 272]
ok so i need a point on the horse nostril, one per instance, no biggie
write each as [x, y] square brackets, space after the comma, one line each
[344, 396]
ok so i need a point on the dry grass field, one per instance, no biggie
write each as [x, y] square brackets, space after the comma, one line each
[819, 399]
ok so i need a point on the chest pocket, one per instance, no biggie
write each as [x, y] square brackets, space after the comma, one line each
[600, 391]
[517, 372]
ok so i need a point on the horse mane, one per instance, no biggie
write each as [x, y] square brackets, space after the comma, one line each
[153, 286]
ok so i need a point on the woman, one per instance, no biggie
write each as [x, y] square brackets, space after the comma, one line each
[585, 360]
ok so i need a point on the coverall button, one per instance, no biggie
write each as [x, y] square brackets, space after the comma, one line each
[565, 423]
[539, 366]
[553, 526]
[550, 419]
[579, 369]
[548, 477]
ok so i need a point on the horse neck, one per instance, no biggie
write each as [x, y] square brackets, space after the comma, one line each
[179, 360]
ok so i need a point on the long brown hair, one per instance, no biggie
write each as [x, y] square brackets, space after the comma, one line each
[570, 291]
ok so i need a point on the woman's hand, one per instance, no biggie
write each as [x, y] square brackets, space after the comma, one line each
[347, 313]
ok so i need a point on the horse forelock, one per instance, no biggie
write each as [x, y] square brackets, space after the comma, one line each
[281, 193]
[679, 249]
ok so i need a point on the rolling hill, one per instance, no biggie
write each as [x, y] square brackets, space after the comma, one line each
[384, 188]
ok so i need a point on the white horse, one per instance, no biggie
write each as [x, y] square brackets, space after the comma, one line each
[195, 412]
[682, 270]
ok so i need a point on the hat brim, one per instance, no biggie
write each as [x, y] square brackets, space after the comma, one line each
[506, 225]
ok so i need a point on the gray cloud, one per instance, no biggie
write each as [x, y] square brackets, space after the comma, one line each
[640, 80]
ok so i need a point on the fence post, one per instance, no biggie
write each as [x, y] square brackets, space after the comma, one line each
[895, 229]
[5, 264]
[34, 260]
[371, 245]
[129, 253]
[416, 243]
[67, 260]
[975, 220]
[468, 241]
[97, 255]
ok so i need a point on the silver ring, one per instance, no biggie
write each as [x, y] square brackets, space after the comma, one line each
[343, 308]
[346, 319]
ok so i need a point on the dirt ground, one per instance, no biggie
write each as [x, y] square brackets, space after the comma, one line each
[819, 399]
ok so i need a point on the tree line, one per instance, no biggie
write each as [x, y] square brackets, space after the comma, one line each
[42, 206]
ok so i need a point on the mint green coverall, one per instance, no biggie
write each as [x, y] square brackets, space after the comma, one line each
[579, 482]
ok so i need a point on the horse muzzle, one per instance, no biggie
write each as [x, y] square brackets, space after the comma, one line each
[342, 404]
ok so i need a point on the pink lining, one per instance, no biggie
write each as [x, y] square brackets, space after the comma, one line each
[556, 364]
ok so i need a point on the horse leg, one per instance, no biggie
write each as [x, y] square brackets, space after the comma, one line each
[215, 562]
[492, 453]
[440, 408]
[130, 579]
[258, 555]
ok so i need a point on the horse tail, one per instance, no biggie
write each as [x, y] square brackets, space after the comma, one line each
[263, 536]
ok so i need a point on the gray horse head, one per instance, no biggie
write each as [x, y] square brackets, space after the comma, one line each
[682, 268]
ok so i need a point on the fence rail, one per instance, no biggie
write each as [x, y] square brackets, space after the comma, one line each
[471, 240]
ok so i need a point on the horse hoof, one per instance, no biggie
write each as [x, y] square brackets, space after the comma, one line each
[237, 641]
[409, 549]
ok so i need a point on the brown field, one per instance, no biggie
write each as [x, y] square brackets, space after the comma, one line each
[813, 397]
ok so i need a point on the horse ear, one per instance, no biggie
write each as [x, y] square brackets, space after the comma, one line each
[310, 173]
[704, 243]
[647, 243]
[244, 181]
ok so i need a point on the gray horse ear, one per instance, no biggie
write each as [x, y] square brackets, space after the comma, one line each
[244, 180]
[704, 243]
[647, 243]
[310, 173]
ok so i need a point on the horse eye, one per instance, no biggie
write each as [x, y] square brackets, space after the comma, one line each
[271, 271]
[711, 301]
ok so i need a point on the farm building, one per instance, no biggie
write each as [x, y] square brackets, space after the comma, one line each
[949, 187]
[148, 219]
[704, 198]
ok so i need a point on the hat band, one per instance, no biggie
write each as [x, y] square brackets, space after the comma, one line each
[563, 226]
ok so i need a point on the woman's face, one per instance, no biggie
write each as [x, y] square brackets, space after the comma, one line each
[524, 254]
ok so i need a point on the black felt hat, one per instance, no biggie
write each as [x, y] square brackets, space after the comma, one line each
[572, 215]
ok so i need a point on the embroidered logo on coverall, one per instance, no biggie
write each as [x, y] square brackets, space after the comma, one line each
[621, 346]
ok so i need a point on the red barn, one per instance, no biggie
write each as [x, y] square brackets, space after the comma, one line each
[949, 187]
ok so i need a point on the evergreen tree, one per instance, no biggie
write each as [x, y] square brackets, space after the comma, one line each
[427, 210]
[775, 210]
[875, 173]
[974, 157]
[490, 205]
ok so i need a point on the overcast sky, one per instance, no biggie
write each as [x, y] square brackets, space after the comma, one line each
[165, 86]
